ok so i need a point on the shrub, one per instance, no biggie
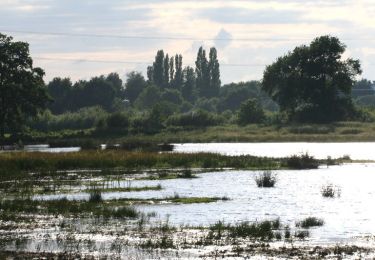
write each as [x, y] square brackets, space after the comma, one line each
[118, 120]
[265, 180]
[304, 161]
[198, 118]
[250, 112]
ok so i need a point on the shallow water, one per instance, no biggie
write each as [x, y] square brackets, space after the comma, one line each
[45, 148]
[357, 151]
[297, 195]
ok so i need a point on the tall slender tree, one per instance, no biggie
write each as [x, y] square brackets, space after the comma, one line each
[178, 77]
[214, 71]
[150, 74]
[166, 71]
[202, 73]
[171, 71]
[188, 87]
[158, 71]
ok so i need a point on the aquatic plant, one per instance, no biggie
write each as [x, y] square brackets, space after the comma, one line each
[265, 180]
[302, 234]
[95, 196]
[260, 230]
[330, 191]
[310, 222]
[187, 174]
[303, 161]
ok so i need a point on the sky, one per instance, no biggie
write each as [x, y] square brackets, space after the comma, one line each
[85, 38]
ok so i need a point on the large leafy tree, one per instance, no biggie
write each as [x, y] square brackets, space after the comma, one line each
[134, 86]
[313, 83]
[22, 89]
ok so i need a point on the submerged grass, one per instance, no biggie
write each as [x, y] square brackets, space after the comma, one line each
[95, 208]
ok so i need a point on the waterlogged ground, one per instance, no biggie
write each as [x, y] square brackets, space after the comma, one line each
[191, 214]
[296, 195]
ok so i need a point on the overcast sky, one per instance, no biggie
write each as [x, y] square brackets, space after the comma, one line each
[247, 34]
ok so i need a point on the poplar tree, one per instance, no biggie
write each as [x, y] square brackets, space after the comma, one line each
[158, 69]
[166, 71]
[214, 71]
[178, 77]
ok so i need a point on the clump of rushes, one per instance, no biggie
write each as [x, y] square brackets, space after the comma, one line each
[265, 180]
[310, 222]
[95, 196]
[29, 162]
[187, 174]
[303, 161]
[125, 212]
[330, 191]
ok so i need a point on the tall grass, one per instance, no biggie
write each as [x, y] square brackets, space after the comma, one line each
[303, 161]
[265, 180]
[310, 222]
[12, 163]
[330, 191]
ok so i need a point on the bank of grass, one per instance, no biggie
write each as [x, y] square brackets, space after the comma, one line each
[26, 165]
[333, 132]
[13, 163]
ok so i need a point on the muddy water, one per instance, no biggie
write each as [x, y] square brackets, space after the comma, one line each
[357, 151]
[297, 195]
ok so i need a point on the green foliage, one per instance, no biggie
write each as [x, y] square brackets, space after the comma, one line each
[150, 123]
[234, 94]
[135, 84]
[313, 83]
[148, 98]
[198, 118]
[189, 87]
[363, 87]
[22, 90]
[250, 112]
[102, 91]
[172, 96]
[118, 120]
[304, 161]
[13, 163]
[207, 104]
[207, 73]
[82, 119]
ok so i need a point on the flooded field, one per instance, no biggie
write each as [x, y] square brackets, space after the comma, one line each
[296, 195]
[190, 212]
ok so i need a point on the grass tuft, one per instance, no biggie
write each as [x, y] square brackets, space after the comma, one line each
[266, 180]
[330, 191]
[310, 222]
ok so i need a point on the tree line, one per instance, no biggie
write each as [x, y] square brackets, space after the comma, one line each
[312, 83]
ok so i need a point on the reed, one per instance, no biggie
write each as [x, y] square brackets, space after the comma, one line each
[20, 162]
